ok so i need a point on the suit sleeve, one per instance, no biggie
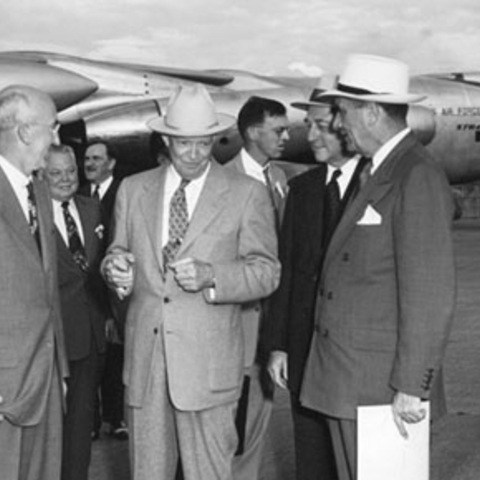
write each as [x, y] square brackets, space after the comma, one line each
[279, 309]
[255, 272]
[426, 278]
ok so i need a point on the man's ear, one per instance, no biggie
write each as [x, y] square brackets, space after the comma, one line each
[24, 133]
[372, 113]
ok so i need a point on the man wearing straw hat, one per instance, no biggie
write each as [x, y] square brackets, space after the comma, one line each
[387, 289]
[192, 241]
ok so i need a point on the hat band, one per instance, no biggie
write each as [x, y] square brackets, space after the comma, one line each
[354, 90]
[174, 127]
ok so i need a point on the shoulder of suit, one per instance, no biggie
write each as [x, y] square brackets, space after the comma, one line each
[311, 176]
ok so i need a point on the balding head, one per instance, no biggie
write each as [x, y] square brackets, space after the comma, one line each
[28, 126]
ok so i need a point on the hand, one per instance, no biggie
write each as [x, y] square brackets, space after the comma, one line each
[193, 275]
[278, 368]
[407, 408]
[118, 271]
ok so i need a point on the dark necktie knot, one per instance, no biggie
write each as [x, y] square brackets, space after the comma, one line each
[96, 192]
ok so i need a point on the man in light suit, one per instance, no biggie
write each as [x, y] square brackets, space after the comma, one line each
[263, 126]
[188, 256]
[387, 289]
[304, 238]
[84, 303]
[32, 358]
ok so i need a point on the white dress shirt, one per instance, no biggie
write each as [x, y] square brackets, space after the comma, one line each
[102, 187]
[347, 170]
[386, 148]
[192, 193]
[59, 219]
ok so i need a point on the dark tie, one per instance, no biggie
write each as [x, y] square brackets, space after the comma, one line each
[74, 243]
[96, 192]
[177, 224]
[32, 215]
[333, 206]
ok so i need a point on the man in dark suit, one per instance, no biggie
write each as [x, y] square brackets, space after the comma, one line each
[99, 165]
[84, 303]
[263, 126]
[189, 256]
[387, 289]
[307, 228]
[32, 357]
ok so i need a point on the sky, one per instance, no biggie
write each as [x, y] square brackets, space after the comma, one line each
[277, 37]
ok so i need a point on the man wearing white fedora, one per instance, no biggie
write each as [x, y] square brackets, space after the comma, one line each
[387, 289]
[192, 241]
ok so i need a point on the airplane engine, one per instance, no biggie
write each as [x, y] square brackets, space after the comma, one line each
[422, 121]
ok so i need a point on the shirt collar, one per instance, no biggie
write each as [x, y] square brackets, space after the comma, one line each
[382, 153]
[252, 167]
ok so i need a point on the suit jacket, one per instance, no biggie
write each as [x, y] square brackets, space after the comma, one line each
[291, 314]
[31, 336]
[202, 337]
[387, 289]
[84, 297]
[107, 202]
[252, 311]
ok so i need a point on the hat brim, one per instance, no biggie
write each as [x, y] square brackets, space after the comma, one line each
[224, 122]
[308, 105]
[391, 98]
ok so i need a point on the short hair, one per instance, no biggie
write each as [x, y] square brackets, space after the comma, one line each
[61, 149]
[255, 110]
[111, 150]
[14, 104]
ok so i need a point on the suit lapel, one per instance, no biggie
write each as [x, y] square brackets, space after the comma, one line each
[12, 213]
[376, 187]
[312, 206]
[87, 226]
[151, 205]
[209, 205]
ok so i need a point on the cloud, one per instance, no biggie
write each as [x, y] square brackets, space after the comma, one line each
[304, 69]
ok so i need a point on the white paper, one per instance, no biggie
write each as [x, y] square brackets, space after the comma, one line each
[384, 454]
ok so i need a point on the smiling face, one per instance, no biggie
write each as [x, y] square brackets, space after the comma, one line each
[62, 176]
[190, 155]
[326, 142]
[98, 165]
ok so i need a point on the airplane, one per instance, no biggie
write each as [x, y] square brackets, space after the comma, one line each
[112, 101]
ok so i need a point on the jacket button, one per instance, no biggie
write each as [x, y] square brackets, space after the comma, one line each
[325, 333]
[321, 292]
[166, 300]
[346, 257]
[155, 331]
[330, 295]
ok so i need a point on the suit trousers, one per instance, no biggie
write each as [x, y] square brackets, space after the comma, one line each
[160, 434]
[78, 422]
[314, 455]
[246, 466]
[344, 438]
[34, 453]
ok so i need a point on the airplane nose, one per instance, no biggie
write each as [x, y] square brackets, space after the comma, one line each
[65, 88]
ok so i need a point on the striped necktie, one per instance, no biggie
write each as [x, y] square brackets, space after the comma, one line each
[74, 242]
[33, 215]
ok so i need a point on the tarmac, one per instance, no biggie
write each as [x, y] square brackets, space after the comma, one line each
[455, 439]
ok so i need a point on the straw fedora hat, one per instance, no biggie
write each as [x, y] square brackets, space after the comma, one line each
[373, 79]
[191, 113]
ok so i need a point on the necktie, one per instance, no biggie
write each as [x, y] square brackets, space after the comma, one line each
[177, 224]
[272, 193]
[96, 192]
[74, 243]
[32, 215]
[333, 206]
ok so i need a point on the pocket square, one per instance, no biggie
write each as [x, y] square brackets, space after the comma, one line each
[370, 217]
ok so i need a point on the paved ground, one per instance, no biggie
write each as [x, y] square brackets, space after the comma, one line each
[455, 441]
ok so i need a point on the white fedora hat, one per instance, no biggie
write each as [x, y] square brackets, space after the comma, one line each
[191, 113]
[373, 79]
